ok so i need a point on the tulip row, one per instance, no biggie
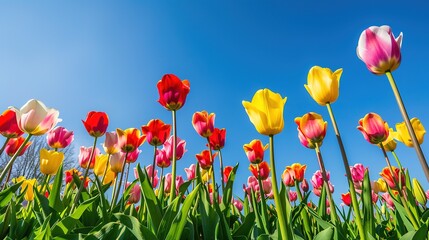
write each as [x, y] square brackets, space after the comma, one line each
[167, 206]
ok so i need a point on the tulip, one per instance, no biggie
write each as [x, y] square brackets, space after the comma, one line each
[265, 111]
[373, 128]
[379, 49]
[172, 92]
[323, 84]
[28, 187]
[156, 132]
[374, 197]
[59, 137]
[13, 145]
[161, 159]
[287, 177]
[109, 178]
[226, 172]
[35, 118]
[206, 175]
[393, 180]
[133, 156]
[403, 135]
[304, 185]
[9, 127]
[238, 204]
[418, 192]
[293, 196]
[379, 186]
[388, 199]
[135, 193]
[85, 155]
[203, 123]
[50, 161]
[129, 139]
[347, 200]
[217, 139]
[427, 194]
[305, 141]
[117, 161]
[69, 174]
[205, 160]
[358, 172]
[190, 172]
[111, 145]
[96, 123]
[267, 186]
[264, 170]
[255, 151]
[86, 182]
[317, 182]
[100, 164]
[389, 144]
[180, 148]
[297, 170]
[312, 127]
[167, 185]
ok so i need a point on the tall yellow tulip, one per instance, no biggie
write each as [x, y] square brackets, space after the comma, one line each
[323, 84]
[50, 161]
[403, 135]
[265, 111]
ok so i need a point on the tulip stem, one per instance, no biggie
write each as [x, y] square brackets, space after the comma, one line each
[221, 171]
[7, 179]
[173, 170]
[126, 176]
[355, 203]
[118, 189]
[91, 156]
[404, 113]
[12, 160]
[153, 165]
[4, 145]
[213, 173]
[264, 204]
[285, 228]
[398, 162]
[334, 216]
[304, 214]
[105, 169]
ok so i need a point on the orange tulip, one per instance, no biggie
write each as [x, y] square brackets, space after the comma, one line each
[255, 151]
[156, 132]
[129, 139]
[297, 171]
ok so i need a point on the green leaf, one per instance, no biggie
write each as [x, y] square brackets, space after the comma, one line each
[209, 217]
[246, 227]
[5, 221]
[44, 231]
[227, 194]
[139, 231]
[368, 211]
[325, 234]
[322, 223]
[7, 194]
[226, 233]
[55, 194]
[168, 218]
[151, 200]
[181, 217]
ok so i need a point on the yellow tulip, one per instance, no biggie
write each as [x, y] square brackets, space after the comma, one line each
[110, 177]
[206, 175]
[390, 144]
[323, 84]
[418, 192]
[379, 186]
[100, 164]
[27, 185]
[50, 161]
[403, 135]
[266, 111]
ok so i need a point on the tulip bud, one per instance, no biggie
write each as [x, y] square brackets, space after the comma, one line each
[418, 192]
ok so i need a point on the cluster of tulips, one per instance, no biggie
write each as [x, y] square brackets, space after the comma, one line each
[75, 204]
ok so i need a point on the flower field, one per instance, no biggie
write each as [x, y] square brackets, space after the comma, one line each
[105, 198]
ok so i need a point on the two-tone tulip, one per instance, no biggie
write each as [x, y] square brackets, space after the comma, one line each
[264, 170]
[393, 180]
[203, 123]
[111, 145]
[13, 145]
[172, 92]
[373, 128]
[9, 127]
[85, 157]
[298, 171]
[129, 139]
[255, 151]
[59, 137]
[311, 127]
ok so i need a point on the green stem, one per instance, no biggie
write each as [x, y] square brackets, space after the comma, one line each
[285, 228]
[105, 169]
[115, 197]
[126, 176]
[114, 192]
[404, 113]
[398, 162]
[153, 165]
[304, 214]
[334, 216]
[221, 171]
[76, 199]
[213, 173]
[173, 170]
[7, 178]
[355, 203]
[12, 160]
[264, 204]
[4, 145]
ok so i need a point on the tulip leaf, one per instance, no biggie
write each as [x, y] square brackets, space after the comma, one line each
[181, 217]
[55, 194]
[153, 205]
[7, 194]
[368, 212]
[422, 233]
[133, 225]
[168, 217]
[44, 231]
[322, 223]
[401, 216]
[5, 219]
[209, 218]
[246, 227]
[326, 234]
[226, 233]
[227, 194]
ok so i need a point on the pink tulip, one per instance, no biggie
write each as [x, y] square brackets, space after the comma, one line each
[317, 182]
[84, 157]
[379, 49]
[111, 145]
[167, 184]
[287, 177]
[238, 204]
[266, 185]
[293, 196]
[427, 194]
[180, 148]
[133, 156]
[388, 199]
[373, 128]
[374, 197]
[161, 159]
[59, 137]
[190, 172]
[135, 193]
[358, 172]
[149, 175]
[304, 185]
[203, 123]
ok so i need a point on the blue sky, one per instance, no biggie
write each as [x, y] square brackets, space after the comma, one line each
[108, 56]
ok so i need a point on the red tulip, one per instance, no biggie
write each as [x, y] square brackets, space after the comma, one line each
[217, 139]
[156, 132]
[264, 170]
[172, 92]
[13, 145]
[226, 172]
[255, 151]
[347, 200]
[96, 123]
[9, 124]
[205, 160]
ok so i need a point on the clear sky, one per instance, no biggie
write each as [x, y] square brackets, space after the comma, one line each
[108, 56]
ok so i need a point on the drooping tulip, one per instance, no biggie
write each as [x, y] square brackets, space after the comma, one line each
[255, 151]
[111, 145]
[190, 172]
[217, 139]
[312, 127]
[403, 136]
[379, 49]
[264, 170]
[13, 145]
[156, 132]
[205, 160]
[323, 84]
[9, 127]
[373, 128]
[129, 139]
[172, 92]
[59, 137]
[35, 118]
[298, 171]
[50, 161]
[180, 148]
[96, 123]
[265, 111]
[392, 181]
[203, 123]
[85, 157]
